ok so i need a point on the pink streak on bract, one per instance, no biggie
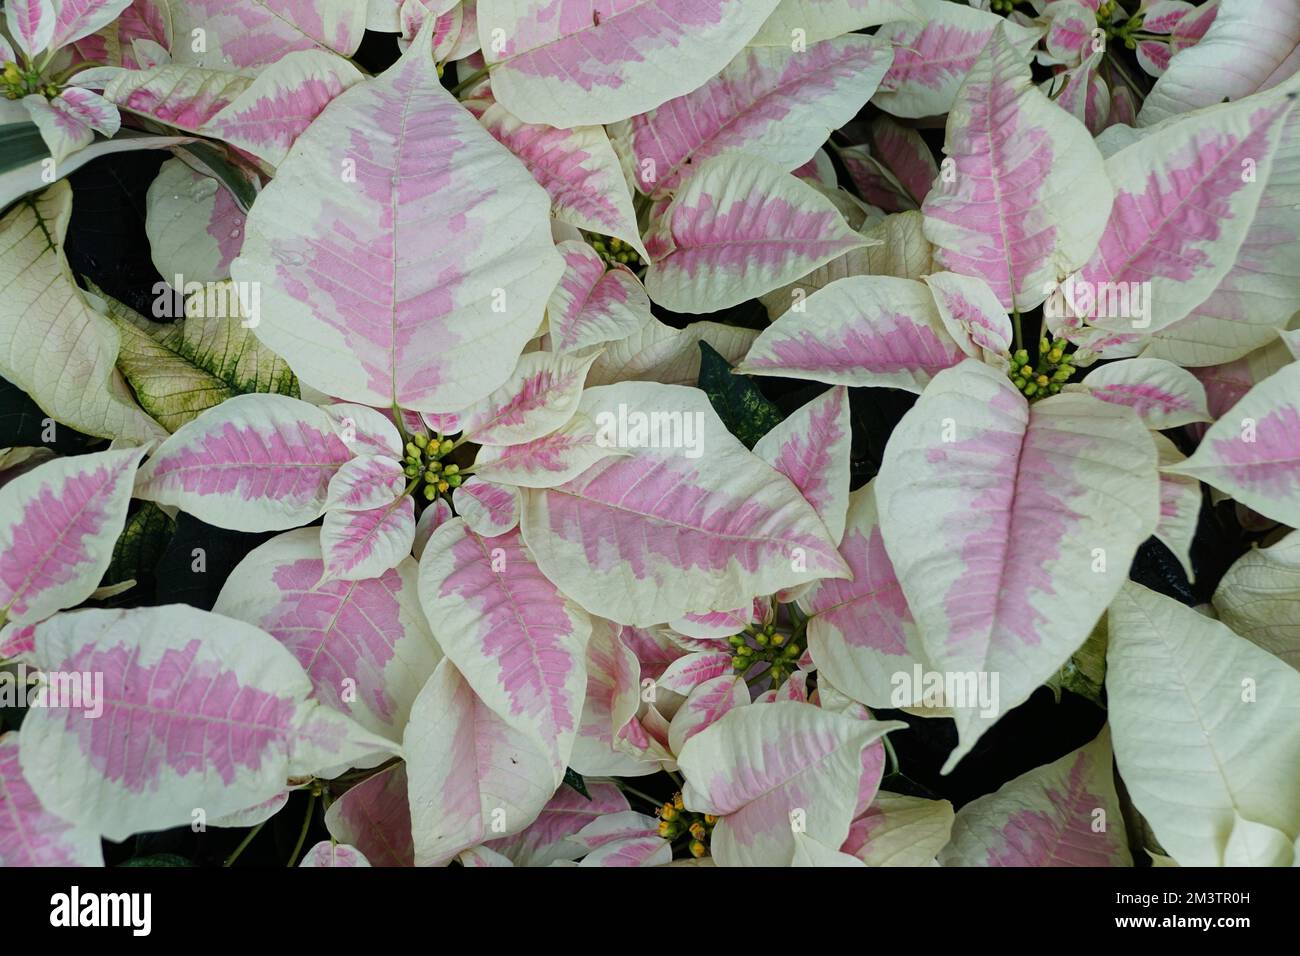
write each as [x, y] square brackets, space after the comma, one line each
[338, 631]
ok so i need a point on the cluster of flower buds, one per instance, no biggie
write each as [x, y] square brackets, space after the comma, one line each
[1045, 378]
[423, 463]
[1118, 24]
[769, 646]
[616, 251]
[676, 821]
[18, 83]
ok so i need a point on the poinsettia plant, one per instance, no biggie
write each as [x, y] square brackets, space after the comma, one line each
[736, 432]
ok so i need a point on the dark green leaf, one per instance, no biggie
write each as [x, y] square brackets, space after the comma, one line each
[221, 167]
[20, 145]
[158, 859]
[742, 407]
[575, 780]
[140, 546]
[23, 425]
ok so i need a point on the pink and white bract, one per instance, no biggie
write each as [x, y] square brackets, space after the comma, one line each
[645, 433]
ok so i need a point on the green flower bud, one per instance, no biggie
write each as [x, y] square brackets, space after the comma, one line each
[762, 640]
[412, 451]
[430, 492]
[744, 650]
[455, 481]
[1020, 358]
[736, 640]
[1030, 389]
[1062, 374]
[421, 440]
[446, 446]
[451, 470]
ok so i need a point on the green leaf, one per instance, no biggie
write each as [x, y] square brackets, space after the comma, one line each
[742, 407]
[141, 544]
[158, 859]
[223, 169]
[20, 145]
[575, 780]
[180, 370]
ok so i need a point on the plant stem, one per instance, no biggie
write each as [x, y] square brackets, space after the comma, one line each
[302, 834]
[889, 752]
[243, 844]
[628, 788]
[470, 81]
[1015, 322]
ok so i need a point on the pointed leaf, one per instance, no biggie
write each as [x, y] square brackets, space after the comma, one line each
[577, 168]
[547, 839]
[1162, 394]
[241, 706]
[365, 544]
[489, 509]
[513, 636]
[741, 227]
[547, 461]
[195, 226]
[899, 830]
[182, 369]
[774, 102]
[249, 34]
[469, 774]
[575, 63]
[268, 117]
[1184, 204]
[1063, 814]
[76, 19]
[329, 853]
[361, 296]
[935, 51]
[1259, 595]
[62, 519]
[860, 631]
[1253, 452]
[746, 412]
[53, 345]
[539, 397]
[375, 817]
[29, 834]
[592, 305]
[1252, 45]
[252, 463]
[669, 529]
[1029, 197]
[861, 330]
[765, 768]
[31, 22]
[812, 448]
[1206, 733]
[1009, 527]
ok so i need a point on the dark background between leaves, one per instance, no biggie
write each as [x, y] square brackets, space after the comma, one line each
[107, 244]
